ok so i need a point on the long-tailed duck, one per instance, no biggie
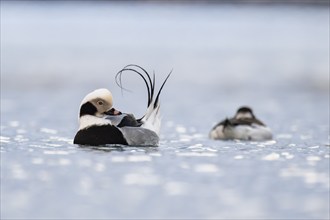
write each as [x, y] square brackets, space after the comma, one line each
[100, 123]
[243, 126]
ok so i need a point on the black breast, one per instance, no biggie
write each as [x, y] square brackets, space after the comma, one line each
[99, 135]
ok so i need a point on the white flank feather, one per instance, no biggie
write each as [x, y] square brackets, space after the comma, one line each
[245, 132]
[152, 119]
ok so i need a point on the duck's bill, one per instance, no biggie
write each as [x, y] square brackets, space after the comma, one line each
[113, 111]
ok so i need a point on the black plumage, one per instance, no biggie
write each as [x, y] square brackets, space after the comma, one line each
[100, 135]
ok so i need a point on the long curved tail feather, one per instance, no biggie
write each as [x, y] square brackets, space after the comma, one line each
[151, 119]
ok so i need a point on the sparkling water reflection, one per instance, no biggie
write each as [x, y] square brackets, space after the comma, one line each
[272, 175]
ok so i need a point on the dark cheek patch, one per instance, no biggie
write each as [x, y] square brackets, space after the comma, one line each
[87, 109]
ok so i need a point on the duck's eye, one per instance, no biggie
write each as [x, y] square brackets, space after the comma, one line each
[100, 103]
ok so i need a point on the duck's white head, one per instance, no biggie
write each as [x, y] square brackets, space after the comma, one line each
[244, 112]
[96, 103]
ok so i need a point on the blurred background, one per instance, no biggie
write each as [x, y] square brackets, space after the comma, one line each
[271, 55]
[213, 47]
[230, 52]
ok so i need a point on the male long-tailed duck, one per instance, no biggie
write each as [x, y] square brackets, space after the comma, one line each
[101, 124]
[243, 126]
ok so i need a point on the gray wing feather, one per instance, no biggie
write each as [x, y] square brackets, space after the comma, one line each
[123, 120]
[115, 119]
[140, 136]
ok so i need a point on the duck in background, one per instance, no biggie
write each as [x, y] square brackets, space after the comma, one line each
[243, 126]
